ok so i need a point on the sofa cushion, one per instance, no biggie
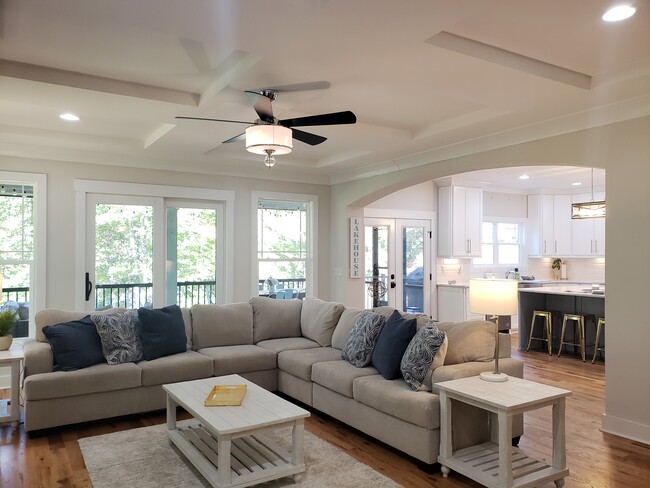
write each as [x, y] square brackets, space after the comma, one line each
[318, 319]
[287, 344]
[75, 344]
[93, 379]
[187, 322]
[469, 341]
[339, 375]
[222, 325]
[184, 366]
[346, 322]
[362, 339]
[240, 359]
[397, 399]
[424, 354]
[120, 336]
[274, 319]
[299, 362]
[393, 340]
[162, 331]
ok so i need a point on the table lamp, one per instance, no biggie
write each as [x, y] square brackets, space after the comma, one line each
[493, 297]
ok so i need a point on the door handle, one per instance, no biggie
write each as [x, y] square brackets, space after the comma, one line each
[393, 284]
[89, 286]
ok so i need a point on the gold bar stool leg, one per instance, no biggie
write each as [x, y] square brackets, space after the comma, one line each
[546, 329]
[564, 320]
[581, 325]
[597, 348]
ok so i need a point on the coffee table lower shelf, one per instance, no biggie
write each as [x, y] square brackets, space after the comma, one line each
[481, 463]
[253, 459]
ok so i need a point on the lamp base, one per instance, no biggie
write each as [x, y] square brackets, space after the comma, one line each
[495, 377]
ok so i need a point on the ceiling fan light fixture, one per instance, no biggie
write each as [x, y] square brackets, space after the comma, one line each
[269, 160]
[260, 139]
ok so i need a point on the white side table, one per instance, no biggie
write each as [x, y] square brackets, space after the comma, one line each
[13, 357]
[499, 465]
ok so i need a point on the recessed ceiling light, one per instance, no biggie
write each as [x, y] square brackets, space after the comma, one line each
[577, 183]
[69, 116]
[524, 177]
[620, 12]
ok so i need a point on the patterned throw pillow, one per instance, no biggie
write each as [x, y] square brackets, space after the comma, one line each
[425, 353]
[362, 339]
[120, 336]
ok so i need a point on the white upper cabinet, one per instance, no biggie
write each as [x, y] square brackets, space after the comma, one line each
[549, 226]
[588, 234]
[460, 214]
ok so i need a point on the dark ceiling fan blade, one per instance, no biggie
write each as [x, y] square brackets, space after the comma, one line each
[310, 85]
[307, 137]
[262, 105]
[217, 120]
[335, 118]
[240, 137]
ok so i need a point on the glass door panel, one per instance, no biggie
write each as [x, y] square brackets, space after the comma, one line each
[377, 264]
[413, 269]
[191, 266]
[123, 256]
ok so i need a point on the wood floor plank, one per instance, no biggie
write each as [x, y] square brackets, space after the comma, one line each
[595, 459]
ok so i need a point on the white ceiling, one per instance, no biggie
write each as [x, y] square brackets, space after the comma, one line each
[427, 79]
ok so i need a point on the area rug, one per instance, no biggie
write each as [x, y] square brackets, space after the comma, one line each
[146, 458]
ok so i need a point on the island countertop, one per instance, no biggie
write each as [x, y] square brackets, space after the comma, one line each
[578, 290]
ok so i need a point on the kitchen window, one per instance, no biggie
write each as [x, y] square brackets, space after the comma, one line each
[500, 244]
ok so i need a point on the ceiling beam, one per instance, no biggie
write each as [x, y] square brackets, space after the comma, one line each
[44, 74]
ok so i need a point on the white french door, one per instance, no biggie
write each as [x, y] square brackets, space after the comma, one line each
[398, 264]
[125, 252]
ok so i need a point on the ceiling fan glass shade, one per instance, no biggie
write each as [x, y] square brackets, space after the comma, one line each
[260, 139]
[588, 210]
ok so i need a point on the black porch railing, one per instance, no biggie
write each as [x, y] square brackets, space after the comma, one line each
[136, 295]
[18, 294]
[284, 283]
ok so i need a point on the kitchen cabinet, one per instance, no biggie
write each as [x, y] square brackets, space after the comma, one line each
[588, 234]
[460, 214]
[453, 304]
[549, 227]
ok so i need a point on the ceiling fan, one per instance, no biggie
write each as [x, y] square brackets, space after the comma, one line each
[270, 136]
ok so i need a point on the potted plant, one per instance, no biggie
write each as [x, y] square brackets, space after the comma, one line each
[7, 321]
[557, 268]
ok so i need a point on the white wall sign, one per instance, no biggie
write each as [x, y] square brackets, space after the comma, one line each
[355, 247]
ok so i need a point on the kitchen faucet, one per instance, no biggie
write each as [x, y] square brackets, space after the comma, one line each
[510, 274]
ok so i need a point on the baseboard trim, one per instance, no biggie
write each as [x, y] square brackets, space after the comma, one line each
[626, 428]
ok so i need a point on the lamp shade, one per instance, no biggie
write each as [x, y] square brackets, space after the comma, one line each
[493, 297]
[263, 138]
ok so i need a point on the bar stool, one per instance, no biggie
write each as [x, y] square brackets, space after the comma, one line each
[578, 322]
[597, 347]
[547, 328]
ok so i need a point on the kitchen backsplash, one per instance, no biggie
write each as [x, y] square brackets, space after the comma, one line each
[584, 269]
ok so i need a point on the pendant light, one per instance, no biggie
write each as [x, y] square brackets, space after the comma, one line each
[589, 210]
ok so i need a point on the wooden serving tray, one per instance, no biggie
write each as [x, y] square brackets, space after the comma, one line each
[224, 395]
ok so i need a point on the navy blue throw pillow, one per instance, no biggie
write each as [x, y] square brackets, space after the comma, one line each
[75, 344]
[162, 331]
[393, 340]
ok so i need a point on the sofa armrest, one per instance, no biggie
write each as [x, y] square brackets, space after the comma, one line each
[512, 367]
[38, 357]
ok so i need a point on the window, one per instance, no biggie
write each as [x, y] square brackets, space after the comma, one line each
[285, 247]
[22, 246]
[500, 244]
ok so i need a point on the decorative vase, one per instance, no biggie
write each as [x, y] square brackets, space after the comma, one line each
[5, 342]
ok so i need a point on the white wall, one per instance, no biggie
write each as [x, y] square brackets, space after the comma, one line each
[623, 150]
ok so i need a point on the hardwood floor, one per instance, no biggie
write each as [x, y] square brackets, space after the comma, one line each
[595, 459]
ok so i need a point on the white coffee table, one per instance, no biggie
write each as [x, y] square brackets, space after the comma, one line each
[499, 465]
[227, 444]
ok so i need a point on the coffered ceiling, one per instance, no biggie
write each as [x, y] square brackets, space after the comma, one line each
[427, 79]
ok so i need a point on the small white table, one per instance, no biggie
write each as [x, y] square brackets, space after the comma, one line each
[12, 357]
[226, 444]
[499, 465]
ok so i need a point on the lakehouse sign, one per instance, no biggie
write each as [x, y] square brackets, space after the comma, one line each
[355, 247]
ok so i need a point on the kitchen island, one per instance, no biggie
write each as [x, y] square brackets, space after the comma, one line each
[574, 298]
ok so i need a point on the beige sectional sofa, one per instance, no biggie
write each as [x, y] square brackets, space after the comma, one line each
[291, 346]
